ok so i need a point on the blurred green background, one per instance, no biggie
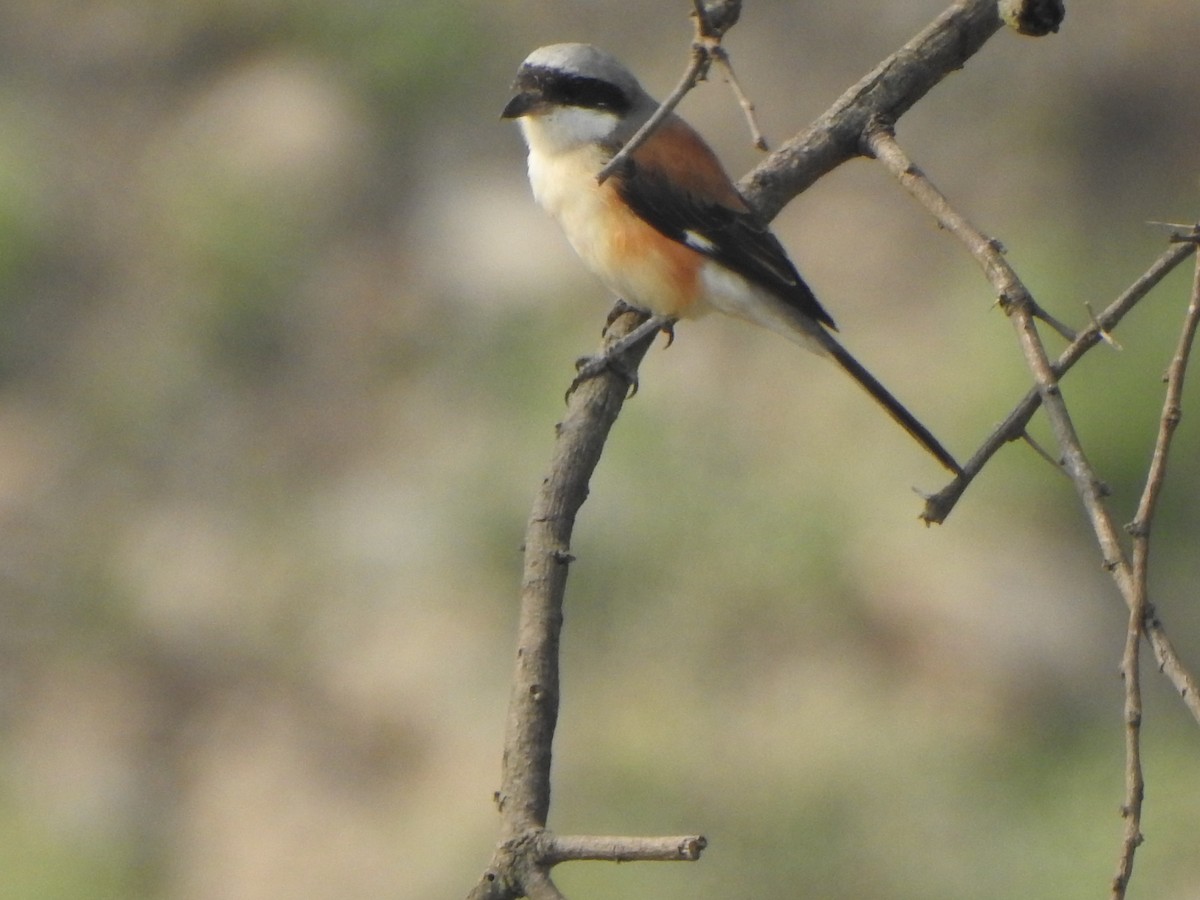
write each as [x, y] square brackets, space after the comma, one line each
[283, 339]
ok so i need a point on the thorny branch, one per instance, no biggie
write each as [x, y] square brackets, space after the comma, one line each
[938, 506]
[1139, 528]
[1131, 579]
[881, 143]
[1021, 308]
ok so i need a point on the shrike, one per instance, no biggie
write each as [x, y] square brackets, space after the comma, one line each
[668, 232]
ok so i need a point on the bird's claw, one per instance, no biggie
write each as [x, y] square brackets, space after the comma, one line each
[612, 359]
[588, 367]
[619, 309]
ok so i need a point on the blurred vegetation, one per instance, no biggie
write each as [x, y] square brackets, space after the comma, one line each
[282, 343]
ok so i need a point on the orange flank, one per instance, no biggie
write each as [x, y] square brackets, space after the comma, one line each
[645, 267]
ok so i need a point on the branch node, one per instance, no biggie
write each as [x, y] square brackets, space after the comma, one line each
[1101, 332]
[715, 17]
[1138, 529]
[1180, 234]
[718, 53]
[880, 126]
[692, 847]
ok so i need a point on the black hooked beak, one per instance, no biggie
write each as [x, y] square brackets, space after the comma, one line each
[523, 104]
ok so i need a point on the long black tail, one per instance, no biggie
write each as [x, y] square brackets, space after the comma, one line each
[884, 398]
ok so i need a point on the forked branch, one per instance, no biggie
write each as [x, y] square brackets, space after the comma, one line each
[1131, 578]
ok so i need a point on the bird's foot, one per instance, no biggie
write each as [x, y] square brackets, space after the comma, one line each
[610, 359]
[588, 367]
[619, 309]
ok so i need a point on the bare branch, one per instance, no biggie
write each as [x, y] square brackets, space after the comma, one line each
[1092, 493]
[591, 412]
[886, 92]
[1140, 529]
[695, 72]
[711, 18]
[854, 126]
[1135, 785]
[527, 850]
[686, 848]
[938, 506]
[880, 141]
[722, 58]
[1171, 413]
[1132, 581]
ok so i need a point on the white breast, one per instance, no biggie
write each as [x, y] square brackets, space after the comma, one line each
[600, 228]
[565, 186]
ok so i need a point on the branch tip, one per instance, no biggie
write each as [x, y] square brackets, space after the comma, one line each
[1034, 18]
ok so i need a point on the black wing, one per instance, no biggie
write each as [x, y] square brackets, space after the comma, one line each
[733, 238]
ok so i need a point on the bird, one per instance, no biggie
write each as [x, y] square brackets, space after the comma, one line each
[667, 232]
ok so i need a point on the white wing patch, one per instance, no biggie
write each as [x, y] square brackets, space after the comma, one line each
[697, 241]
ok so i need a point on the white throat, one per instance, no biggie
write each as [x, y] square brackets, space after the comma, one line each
[567, 128]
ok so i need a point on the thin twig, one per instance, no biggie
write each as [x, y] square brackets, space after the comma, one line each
[1140, 529]
[747, 105]
[684, 848]
[1171, 413]
[880, 142]
[706, 48]
[697, 68]
[1092, 492]
[1041, 451]
[1135, 785]
[1021, 307]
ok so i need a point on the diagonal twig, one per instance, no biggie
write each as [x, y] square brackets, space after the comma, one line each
[938, 506]
[694, 74]
[880, 142]
[888, 91]
[1092, 493]
[747, 105]
[1021, 308]
[1140, 529]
